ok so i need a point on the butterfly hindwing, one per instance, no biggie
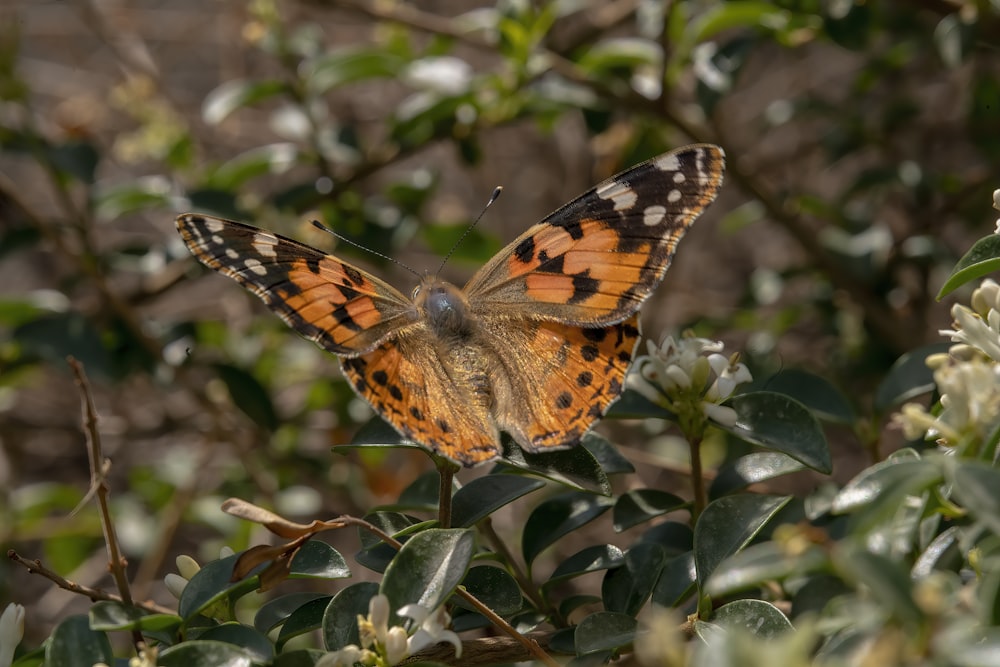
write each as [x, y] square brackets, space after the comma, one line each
[343, 309]
[596, 259]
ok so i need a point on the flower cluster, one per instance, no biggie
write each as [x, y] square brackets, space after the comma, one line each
[967, 376]
[690, 377]
[11, 631]
[383, 646]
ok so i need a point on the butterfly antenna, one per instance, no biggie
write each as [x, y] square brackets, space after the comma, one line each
[496, 195]
[319, 225]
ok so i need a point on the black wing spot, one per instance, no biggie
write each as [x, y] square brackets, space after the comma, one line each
[381, 378]
[595, 335]
[395, 392]
[630, 330]
[589, 352]
[572, 227]
[416, 413]
[312, 263]
[353, 275]
[344, 318]
[583, 287]
[444, 426]
[625, 356]
[584, 379]
[525, 250]
[564, 400]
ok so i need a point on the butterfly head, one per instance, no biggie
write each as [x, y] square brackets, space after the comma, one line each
[443, 306]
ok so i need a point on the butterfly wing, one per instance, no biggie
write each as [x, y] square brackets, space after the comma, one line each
[338, 306]
[417, 390]
[562, 379]
[595, 260]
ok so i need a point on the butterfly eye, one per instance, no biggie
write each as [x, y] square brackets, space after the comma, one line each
[416, 292]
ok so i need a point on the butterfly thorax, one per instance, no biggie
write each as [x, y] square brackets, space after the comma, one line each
[444, 308]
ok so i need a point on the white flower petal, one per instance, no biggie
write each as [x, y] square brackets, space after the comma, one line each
[11, 632]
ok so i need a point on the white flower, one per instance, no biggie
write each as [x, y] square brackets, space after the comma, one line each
[972, 329]
[689, 374]
[11, 631]
[432, 629]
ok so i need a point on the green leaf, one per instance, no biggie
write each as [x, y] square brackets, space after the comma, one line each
[74, 644]
[677, 581]
[977, 486]
[557, 517]
[318, 560]
[576, 467]
[235, 94]
[633, 405]
[256, 644]
[982, 259]
[197, 652]
[484, 495]
[340, 621]
[274, 612]
[428, 568]
[881, 489]
[640, 505]
[55, 336]
[761, 619]
[626, 589]
[268, 160]
[604, 631]
[727, 525]
[888, 581]
[106, 615]
[908, 378]
[350, 65]
[376, 554]
[760, 563]
[607, 455]
[493, 587]
[589, 559]
[306, 618]
[249, 395]
[211, 584]
[782, 424]
[814, 392]
[751, 469]
[75, 158]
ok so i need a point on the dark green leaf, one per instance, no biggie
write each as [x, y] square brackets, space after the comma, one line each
[814, 392]
[590, 559]
[635, 507]
[677, 581]
[74, 644]
[249, 395]
[633, 405]
[258, 161]
[888, 581]
[675, 537]
[340, 621]
[106, 616]
[626, 589]
[484, 495]
[55, 336]
[568, 605]
[299, 658]
[274, 612]
[375, 553]
[422, 494]
[977, 487]
[557, 517]
[236, 94]
[750, 469]
[608, 457]
[760, 618]
[248, 639]
[305, 619]
[575, 467]
[350, 65]
[982, 259]
[727, 525]
[760, 563]
[909, 377]
[77, 159]
[428, 568]
[879, 490]
[779, 423]
[943, 553]
[494, 588]
[318, 560]
[197, 652]
[210, 584]
[604, 631]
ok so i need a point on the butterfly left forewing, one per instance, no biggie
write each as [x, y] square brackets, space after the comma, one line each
[595, 260]
[342, 308]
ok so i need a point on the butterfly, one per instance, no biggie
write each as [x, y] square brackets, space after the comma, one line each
[537, 343]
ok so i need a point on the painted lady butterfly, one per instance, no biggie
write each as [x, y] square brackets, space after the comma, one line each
[537, 344]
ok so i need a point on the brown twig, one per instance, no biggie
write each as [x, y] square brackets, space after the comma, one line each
[95, 594]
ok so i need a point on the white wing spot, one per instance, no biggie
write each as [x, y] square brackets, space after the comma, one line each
[620, 193]
[255, 266]
[653, 215]
[217, 240]
[679, 177]
[232, 254]
[265, 243]
[213, 225]
[668, 162]
[674, 196]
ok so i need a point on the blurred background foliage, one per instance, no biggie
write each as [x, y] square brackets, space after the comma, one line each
[862, 145]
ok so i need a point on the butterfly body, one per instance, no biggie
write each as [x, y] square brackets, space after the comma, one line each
[536, 344]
